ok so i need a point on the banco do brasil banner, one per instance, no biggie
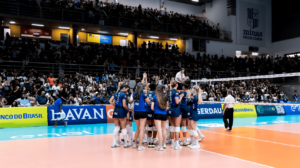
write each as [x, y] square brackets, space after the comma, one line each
[23, 117]
[80, 115]
[263, 110]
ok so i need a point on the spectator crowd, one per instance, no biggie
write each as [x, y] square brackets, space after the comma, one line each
[135, 16]
[28, 88]
[244, 91]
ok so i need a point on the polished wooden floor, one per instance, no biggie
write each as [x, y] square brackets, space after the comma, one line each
[253, 147]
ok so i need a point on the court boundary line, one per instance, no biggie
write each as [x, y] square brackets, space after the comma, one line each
[236, 158]
[271, 129]
[253, 139]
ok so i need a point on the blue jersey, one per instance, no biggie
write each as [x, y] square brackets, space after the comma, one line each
[157, 109]
[194, 100]
[150, 96]
[173, 94]
[119, 97]
[57, 104]
[140, 105]
[184, 98]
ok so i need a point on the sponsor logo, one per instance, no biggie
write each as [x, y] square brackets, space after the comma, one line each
[280, 110]
[212, 125]
[243, 110]
[294, 108]
[51, 135]
[252, 22]
[259, 123]
[262, 110]
[209, 111]
[83, 114]
[20, 116]
[253, 17]
[109, 113]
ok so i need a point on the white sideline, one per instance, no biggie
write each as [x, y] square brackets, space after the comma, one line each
[237, 158]
[252, 139]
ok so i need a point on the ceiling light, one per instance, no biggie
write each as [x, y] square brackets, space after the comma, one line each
[155, 37]
[103, 32]
[173, 39]
[63, 27]
[195, 0]
[124, 34]
[12, 22]
[34, 24]
[82, 29]
[254, 53]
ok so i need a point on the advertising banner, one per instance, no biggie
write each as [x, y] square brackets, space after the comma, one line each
[210, 111]
[105, 39]
[269, 110]
[23, 117]
[292, 110]
[251, 27]
[93, 38]
[42, 33]
[79, 115]
[109, 113]
[241, 110]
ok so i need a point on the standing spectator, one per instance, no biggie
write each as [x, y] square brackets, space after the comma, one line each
[51, 80]
[56, 89]
[180, 78]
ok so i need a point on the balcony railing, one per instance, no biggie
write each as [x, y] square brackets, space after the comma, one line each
[58, 69]
[99, 18]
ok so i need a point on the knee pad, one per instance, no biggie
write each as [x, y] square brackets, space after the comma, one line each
[190, 132]
[195, 133]
[154, 128]
[177, 129]
[150, 128]
[172, 129]
[183, 128]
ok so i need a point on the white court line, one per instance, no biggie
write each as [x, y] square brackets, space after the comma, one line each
[273, 130]
[237, 158]
[253, 139]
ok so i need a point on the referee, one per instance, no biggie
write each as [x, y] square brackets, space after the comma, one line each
[228, 111]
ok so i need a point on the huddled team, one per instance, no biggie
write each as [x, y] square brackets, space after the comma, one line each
[158, 111]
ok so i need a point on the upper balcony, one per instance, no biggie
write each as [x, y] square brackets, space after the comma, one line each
[99, 18]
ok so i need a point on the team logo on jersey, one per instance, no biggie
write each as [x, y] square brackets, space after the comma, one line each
[115, 113]
[253, 17]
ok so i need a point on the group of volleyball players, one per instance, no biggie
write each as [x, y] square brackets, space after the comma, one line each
[157, 110]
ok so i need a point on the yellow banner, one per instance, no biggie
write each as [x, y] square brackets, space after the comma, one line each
[93, 38]
[241, 110]
[23, 117]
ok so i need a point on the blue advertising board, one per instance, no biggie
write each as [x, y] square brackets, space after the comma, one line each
[291, 110]
[210, 111]
[263, 110]
[105, 39]
[80, 115]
